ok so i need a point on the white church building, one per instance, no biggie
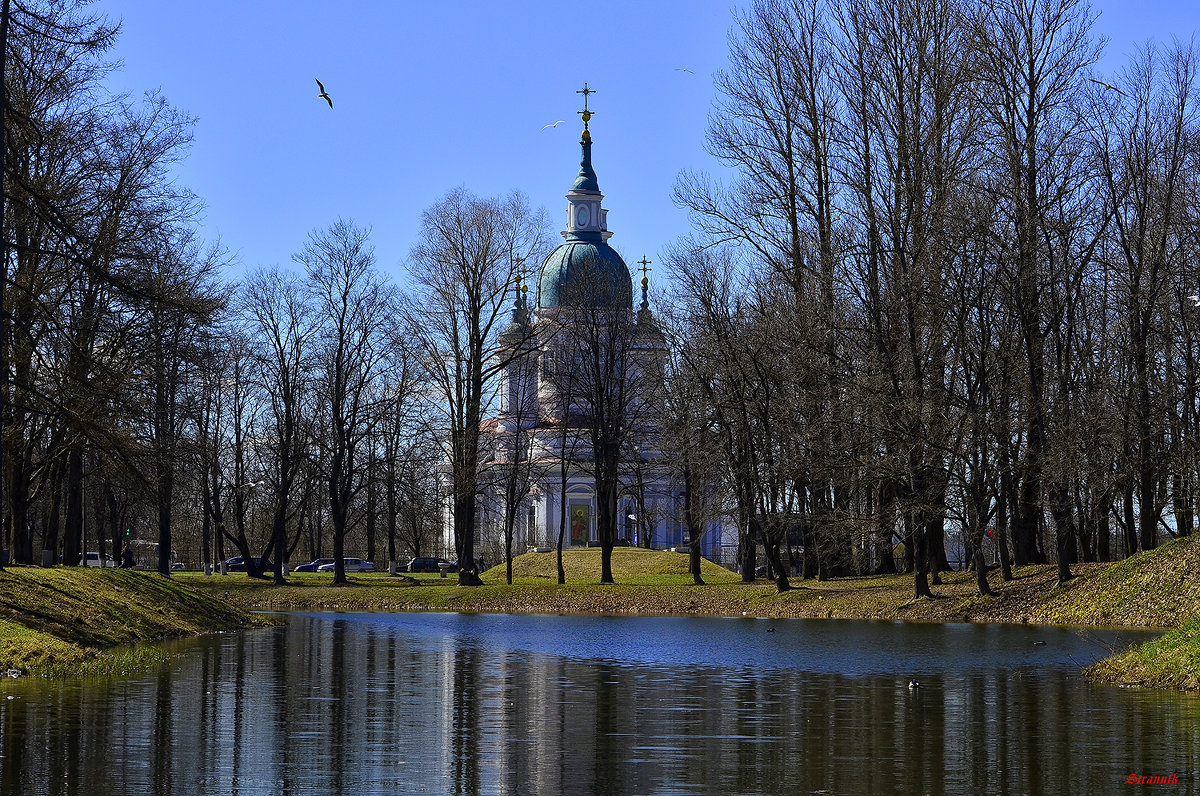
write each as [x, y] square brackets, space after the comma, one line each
[538, 434]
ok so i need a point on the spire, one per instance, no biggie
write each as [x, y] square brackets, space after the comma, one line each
[645, 269]
[520, 309]
[585, 270]
[586, 180]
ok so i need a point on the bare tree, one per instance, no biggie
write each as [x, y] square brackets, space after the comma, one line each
[1032, 59]
[777, 123]
[189, 298]
[567, 443]
[515, 467]
[731, 360]
[408, 499]
[353, 308]
[1144, 151]
[690, 436]
[276, 307]
[603, 384]
[92, 224]
[468, 256]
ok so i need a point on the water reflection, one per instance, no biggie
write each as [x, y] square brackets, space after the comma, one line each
[450, 703]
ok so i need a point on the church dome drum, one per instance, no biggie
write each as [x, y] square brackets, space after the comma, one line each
[582, 273]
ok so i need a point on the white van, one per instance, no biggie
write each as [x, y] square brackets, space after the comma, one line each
[93, 560]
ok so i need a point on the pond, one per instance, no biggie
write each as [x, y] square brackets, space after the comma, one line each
[482, 703]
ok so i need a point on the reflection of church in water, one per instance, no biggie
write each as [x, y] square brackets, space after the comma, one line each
[581, 280]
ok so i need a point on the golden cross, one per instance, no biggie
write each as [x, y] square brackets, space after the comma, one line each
[520, 276]
[645, 266]
[585, 113]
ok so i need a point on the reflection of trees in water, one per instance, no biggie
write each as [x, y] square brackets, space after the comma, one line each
[346, 707]
[464, 740]
[160, 753]
[611, 749]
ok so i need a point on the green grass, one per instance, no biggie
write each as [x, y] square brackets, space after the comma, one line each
[1158, 588]
[1170, 661]
[631, 565]
[647, 582]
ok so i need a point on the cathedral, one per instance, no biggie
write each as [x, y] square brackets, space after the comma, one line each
[539, 469]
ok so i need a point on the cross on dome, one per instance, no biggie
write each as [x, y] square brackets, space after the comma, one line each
[645, 269]
[585, 113]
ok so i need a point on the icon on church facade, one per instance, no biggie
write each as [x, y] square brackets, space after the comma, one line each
[581, 522]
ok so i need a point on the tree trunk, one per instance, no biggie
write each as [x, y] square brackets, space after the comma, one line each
[774, 562]
[1063, 536]
[1129, 528]
[920, 557]
[606, 519]
[73, 532]
[464, 517]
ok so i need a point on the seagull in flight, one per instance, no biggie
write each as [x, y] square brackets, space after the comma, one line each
[681, 69]
[556, 124]
[1108, 86]
[324, 95]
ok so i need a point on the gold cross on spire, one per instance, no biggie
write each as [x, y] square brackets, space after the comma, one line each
[585, 113]
[522, 288]
[645, 267]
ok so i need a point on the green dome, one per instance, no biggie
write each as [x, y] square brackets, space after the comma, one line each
[584, 273]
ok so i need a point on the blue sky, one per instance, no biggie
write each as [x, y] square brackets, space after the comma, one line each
[429, 96]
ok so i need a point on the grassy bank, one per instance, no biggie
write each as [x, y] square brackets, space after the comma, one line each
[1159, 588]
[62, 618]
[1171, 661]
[81, 621]
[650, 582]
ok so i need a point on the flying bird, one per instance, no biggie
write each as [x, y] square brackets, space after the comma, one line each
[1195, 300]
[324, 95]
[681, 69]
[1108, 86]
[556, 124]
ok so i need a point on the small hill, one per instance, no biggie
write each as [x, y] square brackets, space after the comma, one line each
[629, 564]
[1158, 588]
[65, 619]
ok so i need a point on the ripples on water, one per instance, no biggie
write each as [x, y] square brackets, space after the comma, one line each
[452, 703]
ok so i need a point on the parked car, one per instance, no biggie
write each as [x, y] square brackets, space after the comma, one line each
[312, 566]
[351, 564]
[236, 564]
[427, 564]
[93, 560]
